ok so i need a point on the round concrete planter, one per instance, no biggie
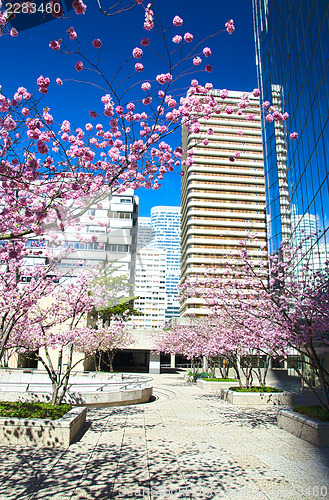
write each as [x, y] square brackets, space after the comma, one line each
[257, 398]
[207, 386]
[309, 429]
[85, 389]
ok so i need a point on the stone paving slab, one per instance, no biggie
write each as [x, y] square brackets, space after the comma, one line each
[184, 445]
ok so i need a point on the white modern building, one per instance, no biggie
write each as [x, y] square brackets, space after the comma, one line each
[162, 231]
[165, 222]
[223, 192]
[145, 232]
[150, 289]
[106, 232]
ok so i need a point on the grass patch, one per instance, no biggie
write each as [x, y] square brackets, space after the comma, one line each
[220, 379]
[23, 409]
[315, 411]
[255, 389]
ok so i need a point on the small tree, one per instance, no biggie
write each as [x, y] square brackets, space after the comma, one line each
[96, 342]
[60, 325]
[287, 312]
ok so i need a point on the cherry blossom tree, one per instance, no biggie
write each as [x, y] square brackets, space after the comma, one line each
[21, 288]
[108, 340]
[274, 309]
[64, 325]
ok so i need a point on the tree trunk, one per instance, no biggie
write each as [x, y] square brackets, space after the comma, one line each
[66, 376]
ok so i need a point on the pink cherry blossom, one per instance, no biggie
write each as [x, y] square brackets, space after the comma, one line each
[59, 81]
[79, 6]
[97, 43]
[294, 135]
[229, 25]
[43, 84]
[146, 86]
[197, 60]
[177, 21]
[79, 66]
[277, 115]
[145, 42]
[164, 78]
[139, 67]
[208, 68]
[177, 39]
[188, 37]
[207, 51]
[148, 23]
[55, 45]
[137, 52]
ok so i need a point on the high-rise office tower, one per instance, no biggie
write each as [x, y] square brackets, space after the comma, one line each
[145, 232]
[165, 223]
[292, 40]
[150, 288]
[222, 200]
[162, 231]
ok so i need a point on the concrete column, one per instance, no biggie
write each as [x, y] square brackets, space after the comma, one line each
[204, 363]
[172, 361]
[154, 365]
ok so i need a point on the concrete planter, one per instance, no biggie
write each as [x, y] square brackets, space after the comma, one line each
[130, 396]
[311, 430]
[118, 397]
[42, 432]
[214, 386]
[257, 398]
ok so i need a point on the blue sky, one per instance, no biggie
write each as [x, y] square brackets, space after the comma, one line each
[28, 55]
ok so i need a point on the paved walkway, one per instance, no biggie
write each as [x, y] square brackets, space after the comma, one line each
[186, 444]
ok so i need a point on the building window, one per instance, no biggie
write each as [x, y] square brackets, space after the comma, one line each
[119, 215]
[119, 248]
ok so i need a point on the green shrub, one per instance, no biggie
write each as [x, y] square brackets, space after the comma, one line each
[220, 379]
[315, 411]
[255, 389]
[23, 409]
[198, 375]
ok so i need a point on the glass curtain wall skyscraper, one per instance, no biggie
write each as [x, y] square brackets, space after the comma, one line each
[165, 222]
[292, 52]
[162, 231]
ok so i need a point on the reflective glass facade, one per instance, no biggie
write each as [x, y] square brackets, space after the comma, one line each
[292, 52]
